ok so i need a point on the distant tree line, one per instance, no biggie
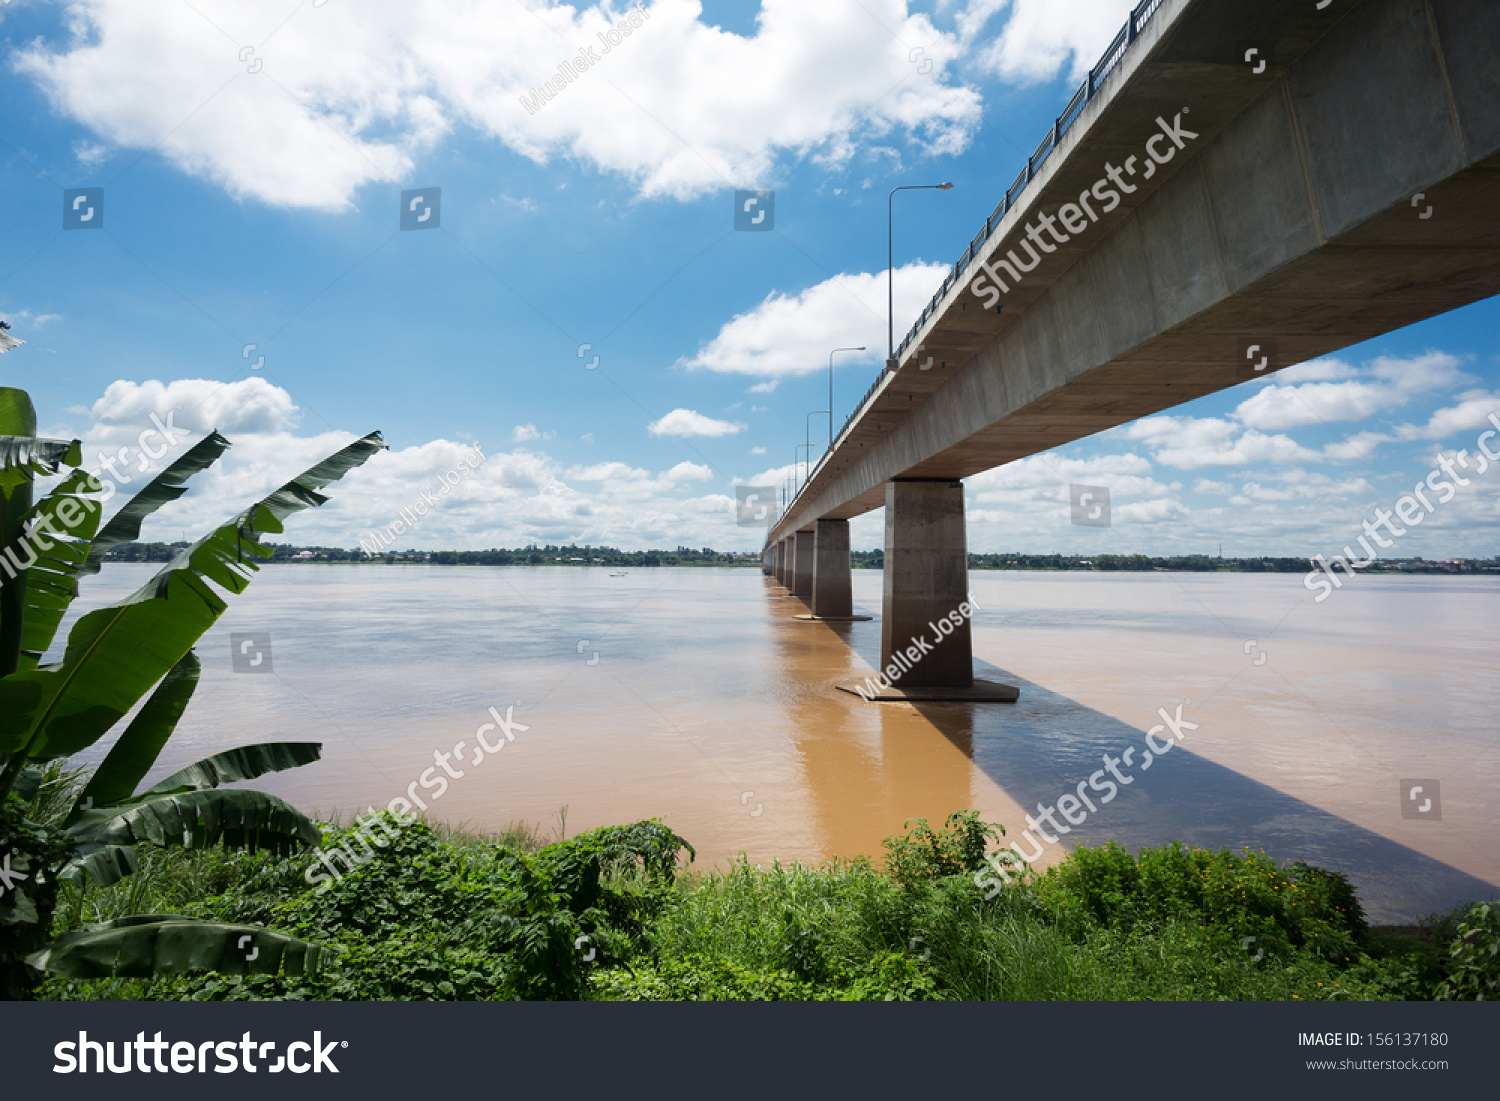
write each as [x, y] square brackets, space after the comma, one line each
[1197, 563]
[549, 555]
[588, 555]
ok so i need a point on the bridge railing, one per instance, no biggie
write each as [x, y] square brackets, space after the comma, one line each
[1064, 122]
[1137, 21]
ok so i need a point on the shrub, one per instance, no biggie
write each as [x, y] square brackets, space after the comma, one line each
[927, 854]
[1474, 957]
[1235, 895]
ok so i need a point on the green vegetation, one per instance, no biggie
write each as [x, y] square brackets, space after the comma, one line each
[572, 555]
[57, 833]
[615, 914]
[549, 555]
[1185, 563]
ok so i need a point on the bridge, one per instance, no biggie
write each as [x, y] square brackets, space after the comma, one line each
[1237, 187]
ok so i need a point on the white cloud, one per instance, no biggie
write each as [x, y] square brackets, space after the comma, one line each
[25, 317]
[688, 472]
[792, 335]
[1190, 442]
[688, 422]
[249, 406]
[349, 93]
[1387, 383]
[1472, 410]
[757, 451]
[1355, 448]
[1042, 37]
[90, 154]
[526, 432]
[511, 499]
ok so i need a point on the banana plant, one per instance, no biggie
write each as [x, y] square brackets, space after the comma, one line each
[113, 657]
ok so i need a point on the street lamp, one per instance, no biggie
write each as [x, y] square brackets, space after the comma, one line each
[890, 264]
[796, 462]
[830, 389]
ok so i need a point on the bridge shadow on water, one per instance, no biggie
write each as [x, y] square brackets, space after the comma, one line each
[1041, 746]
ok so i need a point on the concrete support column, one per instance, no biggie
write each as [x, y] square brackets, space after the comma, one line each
[832, 596]
[926, 580]
[802, 565]
[783, 563]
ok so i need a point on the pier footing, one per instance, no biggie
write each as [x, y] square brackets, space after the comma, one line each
[981, 691]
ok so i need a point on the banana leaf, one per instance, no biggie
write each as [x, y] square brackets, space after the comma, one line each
[17, 421]
[104, 865]
[237, 818]
[23, 458]
[62, 524]
[167, 486]
[116, 653]
[136, 750]
[244, 762]
[164, 944]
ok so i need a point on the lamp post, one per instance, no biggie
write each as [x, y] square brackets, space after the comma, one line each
[830, 389]
[796, 462]
[890, 265]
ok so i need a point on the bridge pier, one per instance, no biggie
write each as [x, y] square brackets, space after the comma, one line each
[832, 591]
[802, 565]
[832, 594]
[926, 651]
[780, 568]
[926, 579]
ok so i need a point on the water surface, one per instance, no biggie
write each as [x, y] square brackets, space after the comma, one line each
[695, 696]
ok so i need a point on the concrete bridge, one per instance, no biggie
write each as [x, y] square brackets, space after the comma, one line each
[1239, 186]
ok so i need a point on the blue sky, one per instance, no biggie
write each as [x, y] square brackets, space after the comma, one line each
[254, 200]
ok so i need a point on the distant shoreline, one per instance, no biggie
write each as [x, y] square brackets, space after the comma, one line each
[610, 558]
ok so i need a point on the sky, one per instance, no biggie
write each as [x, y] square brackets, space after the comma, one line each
[577, 301]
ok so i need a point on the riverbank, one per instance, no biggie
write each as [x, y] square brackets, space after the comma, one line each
[617, 914]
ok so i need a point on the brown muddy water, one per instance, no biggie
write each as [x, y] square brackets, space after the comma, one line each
[695, 696]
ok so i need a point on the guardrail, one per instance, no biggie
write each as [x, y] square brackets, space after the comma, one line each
[1111, 58]
[1138, 19]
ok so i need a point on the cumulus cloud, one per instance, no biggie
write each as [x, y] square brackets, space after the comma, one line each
[1473, 409]
[689, 422]
[1042, 38]
[511, 499]
[251, 405]
[1343, 393]
[524, 433]
[792, 334]
[1188, 442]
[336, 96]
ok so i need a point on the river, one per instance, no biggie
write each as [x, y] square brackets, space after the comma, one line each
[697, 697]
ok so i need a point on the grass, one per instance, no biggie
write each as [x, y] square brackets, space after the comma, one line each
[446, 913]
